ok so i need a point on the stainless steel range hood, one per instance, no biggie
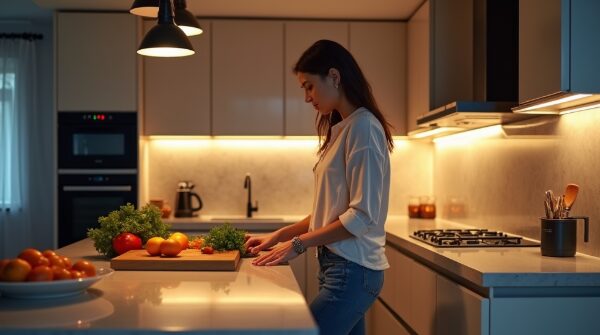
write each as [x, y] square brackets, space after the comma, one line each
[492, 75]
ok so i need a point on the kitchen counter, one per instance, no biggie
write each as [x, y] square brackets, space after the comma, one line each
[250, 300]
[257, 223]
[493, 267]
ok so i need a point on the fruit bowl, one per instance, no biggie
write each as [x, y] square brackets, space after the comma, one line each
[51, 289]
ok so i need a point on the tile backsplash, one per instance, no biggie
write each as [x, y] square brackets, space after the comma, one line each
[502, 180]
[281, 170]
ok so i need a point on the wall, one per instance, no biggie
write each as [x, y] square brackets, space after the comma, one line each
[502, 180]
[281, 171]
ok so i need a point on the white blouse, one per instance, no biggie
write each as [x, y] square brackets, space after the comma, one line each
[352, 182]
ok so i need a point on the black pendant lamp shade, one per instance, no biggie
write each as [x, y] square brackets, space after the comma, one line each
[186, 20]
[165, 39]
[146, 8]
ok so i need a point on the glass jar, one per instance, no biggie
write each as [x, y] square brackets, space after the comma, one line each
[413, 207]
[427, 207]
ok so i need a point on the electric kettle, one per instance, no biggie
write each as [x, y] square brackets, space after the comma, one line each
[183, 200]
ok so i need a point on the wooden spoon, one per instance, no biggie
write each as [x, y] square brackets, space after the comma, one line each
[570, 196]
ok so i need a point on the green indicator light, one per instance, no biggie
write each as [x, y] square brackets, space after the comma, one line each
[94, 117]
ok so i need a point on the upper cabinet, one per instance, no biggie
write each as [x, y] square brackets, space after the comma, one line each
[96, 62]
[380, 50]
[418, 65]
[559, 48]
[176, 91]
[299, 35]
[247, 77]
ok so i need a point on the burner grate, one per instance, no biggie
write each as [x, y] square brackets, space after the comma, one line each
[470, 238]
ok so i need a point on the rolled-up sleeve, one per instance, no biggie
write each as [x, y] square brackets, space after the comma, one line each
[365, 169]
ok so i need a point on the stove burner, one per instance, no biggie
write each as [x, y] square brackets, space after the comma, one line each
[470, 238]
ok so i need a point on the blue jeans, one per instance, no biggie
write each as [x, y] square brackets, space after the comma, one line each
[346, 291]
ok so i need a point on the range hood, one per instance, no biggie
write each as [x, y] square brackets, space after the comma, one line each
[559, 75]
[491, 72]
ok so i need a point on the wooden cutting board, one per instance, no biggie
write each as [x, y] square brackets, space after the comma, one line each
[187, 260]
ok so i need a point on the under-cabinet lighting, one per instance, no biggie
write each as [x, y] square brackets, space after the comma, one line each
[469, 136]
[430, 132]
[535, 109]
[579, 109]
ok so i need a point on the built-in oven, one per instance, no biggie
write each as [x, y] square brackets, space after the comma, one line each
[97, 140]
[84, 197]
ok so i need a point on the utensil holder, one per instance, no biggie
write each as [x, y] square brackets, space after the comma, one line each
[559, 236]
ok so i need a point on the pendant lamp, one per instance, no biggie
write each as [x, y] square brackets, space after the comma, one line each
[186, 20]
[145, 8]
[165, 39]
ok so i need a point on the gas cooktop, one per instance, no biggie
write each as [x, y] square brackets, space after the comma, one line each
[458, 238]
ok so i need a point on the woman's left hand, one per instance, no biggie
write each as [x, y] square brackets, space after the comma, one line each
[280, 254]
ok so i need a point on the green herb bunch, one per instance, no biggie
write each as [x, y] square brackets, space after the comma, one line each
[226, 237]
[145, 223]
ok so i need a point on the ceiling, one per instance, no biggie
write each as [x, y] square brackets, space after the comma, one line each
[312, 9]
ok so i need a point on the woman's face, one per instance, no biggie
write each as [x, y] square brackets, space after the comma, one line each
[321, 92]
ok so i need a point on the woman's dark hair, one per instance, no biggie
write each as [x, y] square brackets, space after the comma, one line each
[318, 59]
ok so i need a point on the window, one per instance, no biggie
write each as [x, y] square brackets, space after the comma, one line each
[7, 98]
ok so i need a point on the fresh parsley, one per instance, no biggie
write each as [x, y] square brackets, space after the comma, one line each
[226, 237]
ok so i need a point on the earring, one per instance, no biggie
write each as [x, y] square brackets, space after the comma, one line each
[336, 85]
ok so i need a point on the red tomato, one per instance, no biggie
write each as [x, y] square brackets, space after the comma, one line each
[125, 242]
[85, 267]
[207, 250]
[60, 273]
[40, 273]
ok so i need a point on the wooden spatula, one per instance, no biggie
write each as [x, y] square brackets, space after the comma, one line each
[570, 196]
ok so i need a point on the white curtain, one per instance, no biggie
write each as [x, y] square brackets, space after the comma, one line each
[23, 145]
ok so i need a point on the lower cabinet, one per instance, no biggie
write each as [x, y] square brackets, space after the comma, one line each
[380, 321]
[428, 302]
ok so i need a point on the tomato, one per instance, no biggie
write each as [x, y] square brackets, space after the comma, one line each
[56, 260]
[60, 273]
[153, 246]
[86, 267]
[32, 256]
[207, 250]
[77, 274]
[196, 243]
[181, 238]
[15, 270]
[67, 262]
[170, 247]
[40, 273]
[3, 263]
[48, 253]
[125, 242]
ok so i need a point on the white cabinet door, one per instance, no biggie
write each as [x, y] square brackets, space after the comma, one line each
[380, 50]
[299, 35]
[380, 321]
[177, 90]
[396, 291]
[96, 62]
[423, 299]
[460, 311]
[247, 77]
[418, 65]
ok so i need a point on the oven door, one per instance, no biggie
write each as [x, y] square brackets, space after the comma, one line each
[83, 199]
[97, 140]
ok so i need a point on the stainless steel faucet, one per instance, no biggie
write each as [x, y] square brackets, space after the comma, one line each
[249, 207]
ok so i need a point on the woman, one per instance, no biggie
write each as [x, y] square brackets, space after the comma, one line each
[352, 179]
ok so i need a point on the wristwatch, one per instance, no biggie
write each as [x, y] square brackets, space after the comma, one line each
[298, 246]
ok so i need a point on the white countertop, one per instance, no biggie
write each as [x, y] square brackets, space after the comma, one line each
[494, 267]
[250, 300]
[258, 223]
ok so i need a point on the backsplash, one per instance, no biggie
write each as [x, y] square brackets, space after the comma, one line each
[281, 170]
[502, 180]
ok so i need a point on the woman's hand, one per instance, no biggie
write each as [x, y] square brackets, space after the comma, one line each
[254, 244]
[282, 253]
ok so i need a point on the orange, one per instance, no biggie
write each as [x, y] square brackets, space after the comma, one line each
[40, 273]
[15, 270]
[153, 246]
[170, 247]
[86, 267]
[181, 238]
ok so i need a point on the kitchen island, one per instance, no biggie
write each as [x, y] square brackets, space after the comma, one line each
[251, 300]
